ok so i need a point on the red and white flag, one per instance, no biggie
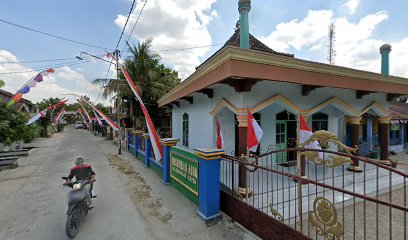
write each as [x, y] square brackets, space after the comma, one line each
[157, 148]
[58, 116]
[44, 112]
[82, 115]
[220, 138]
[97, 118]
[86, 113]
[104, 117]
[254, 133]
[37, 116]
[305, 133]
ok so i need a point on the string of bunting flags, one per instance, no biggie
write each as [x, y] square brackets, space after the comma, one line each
[28, 85]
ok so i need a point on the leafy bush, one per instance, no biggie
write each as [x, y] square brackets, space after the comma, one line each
[12, 126]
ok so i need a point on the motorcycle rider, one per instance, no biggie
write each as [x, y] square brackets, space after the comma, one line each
[82, 171]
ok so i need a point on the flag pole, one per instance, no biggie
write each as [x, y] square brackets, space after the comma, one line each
[299, 170]
[247, 132]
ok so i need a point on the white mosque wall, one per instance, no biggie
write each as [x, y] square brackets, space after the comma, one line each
[202, 130]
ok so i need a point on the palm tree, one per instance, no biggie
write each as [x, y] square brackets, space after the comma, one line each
[151, 79]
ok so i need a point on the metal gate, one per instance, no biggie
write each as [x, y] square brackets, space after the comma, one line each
[318, 198]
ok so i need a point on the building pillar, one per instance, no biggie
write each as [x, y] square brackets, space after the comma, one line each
[243, 8]
[167, 144]
[137, 136]
[127, 140]
[354, 139]
[383, 134]
[242, 151]
[370, 132]
[209, 183]
[148, 145]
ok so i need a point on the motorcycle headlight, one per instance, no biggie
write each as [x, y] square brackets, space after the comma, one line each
[76, 186]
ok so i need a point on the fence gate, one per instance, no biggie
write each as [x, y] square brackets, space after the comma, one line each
[317, 198]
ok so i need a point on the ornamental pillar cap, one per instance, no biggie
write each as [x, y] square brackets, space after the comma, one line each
[355, 120]
[386, 48]
[137, 132]
[384, 120]
[169, 141]
[209, 153]
[244, 6]
[242, 120]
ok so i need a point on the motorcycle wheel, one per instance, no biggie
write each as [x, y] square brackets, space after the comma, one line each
[73, 222]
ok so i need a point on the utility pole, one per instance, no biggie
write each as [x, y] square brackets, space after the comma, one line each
[116, 53]
[331, 51]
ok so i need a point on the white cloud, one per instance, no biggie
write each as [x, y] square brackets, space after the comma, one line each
[174, 24]
[300, 34]
[355, 45]
[352, 5]
[64, 80]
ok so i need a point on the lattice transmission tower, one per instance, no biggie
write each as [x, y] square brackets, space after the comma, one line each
[331, 53]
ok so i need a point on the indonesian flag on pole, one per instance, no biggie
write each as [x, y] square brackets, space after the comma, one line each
[220, 138]
[82, 115]
[305, 133]
[37, 116]
[254, 133]
[58, 116]
[157, 148]
[63, 101]
[104, 117]
[86, 112]
[44, 112]
[97, 118]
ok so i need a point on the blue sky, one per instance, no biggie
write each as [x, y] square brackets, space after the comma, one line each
[294, 26]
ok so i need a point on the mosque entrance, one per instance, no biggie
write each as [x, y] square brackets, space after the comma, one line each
[285, 136]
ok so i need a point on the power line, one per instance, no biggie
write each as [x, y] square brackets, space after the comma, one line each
[48, 66]
[124, 27]
[137, 20]
[120, 37]
[188, 48]
[52, 35]
[46, 60]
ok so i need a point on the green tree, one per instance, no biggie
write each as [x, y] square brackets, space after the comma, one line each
[151, 78]
[46, 121]
[2, 83]
[12, 126]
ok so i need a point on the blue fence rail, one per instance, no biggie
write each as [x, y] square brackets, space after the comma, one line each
[193, 173]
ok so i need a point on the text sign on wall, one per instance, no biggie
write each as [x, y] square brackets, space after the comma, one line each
[184, 170]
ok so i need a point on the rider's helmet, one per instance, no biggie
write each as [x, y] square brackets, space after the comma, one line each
[79, 161]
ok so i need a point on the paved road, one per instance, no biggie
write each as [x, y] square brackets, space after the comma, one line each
[33, 202]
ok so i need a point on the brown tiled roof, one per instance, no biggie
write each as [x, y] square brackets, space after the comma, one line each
[254, 44]
[9, 95]
[399, 110]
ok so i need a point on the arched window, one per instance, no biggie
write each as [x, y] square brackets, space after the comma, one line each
[320, 121]
[185, 129]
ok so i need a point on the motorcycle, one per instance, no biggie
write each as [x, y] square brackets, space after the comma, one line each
[78, 205]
